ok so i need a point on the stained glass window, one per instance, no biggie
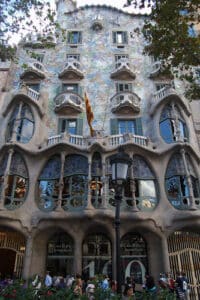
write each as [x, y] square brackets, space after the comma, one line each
[172, 126]
[17, 182]
[49, 183]
[177, 186]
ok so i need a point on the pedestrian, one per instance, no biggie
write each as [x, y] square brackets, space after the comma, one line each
[48, 280]
[128, 292]
[150, 285]
[105, 283]
[186, 289]
[77, 289]
[90, 289]
[179, 286]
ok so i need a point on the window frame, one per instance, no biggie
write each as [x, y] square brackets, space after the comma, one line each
[124, 37]
[71, 40]
[121, 87]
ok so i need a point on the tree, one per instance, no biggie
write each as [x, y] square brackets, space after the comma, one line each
[171, 39]
[16, 16]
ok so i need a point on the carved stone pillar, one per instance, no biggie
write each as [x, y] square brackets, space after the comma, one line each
[89, 196]
[78, 256]
[27, 257]
[103, 179]
[189, 182]
[132, 187]
[61, 183]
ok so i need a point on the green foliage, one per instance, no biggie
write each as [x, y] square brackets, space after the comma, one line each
[18, 292]
[16, 17]
[168, 40]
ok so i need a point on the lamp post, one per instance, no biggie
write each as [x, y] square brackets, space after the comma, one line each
[119, 163]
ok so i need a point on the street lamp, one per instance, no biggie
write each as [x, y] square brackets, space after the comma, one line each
[119, 163]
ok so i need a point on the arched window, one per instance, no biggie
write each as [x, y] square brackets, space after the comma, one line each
[176, 182]
[60, 254]
[49, 184]
[144, 185]
[16, 182]
[74, 193]
[96, 255]
[172, 125]
[133, 249]
[21, 124]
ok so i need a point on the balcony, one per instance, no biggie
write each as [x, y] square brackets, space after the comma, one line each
[125, 102]
[123, 71]
[34, 70]
[38, 41]
[71, 70]
[68, 102]
[168, 93]
[156, 67]
[26, 94]
[108, 141]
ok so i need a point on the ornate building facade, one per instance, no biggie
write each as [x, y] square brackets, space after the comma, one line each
[57, 205]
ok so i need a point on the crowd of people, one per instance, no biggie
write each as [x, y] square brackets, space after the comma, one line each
[178, 286]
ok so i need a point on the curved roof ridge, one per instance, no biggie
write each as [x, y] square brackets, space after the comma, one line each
[105, 6]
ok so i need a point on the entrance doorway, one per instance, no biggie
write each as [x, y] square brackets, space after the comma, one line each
[12, 248]
[7, 264]
[60, 257]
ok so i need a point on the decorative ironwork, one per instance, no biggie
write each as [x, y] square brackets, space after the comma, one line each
[184, 255]
[134, 257]
[97, 255]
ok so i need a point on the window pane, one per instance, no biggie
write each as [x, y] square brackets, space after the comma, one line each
[195, 186]
[173, 187]
[147, 188]
[25, 131]
[184, 186]
[166, 131]
[126, 126]
[182, 130]
[119, 38]
[35, 87]
[72, 127]
[74, 37]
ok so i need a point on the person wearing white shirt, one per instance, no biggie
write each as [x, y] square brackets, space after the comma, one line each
[48, 280]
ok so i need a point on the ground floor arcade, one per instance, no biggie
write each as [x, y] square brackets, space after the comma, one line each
[90, 250]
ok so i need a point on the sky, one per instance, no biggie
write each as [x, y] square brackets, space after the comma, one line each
[115, 3]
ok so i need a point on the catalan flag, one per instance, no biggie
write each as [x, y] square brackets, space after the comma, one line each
[89, 113]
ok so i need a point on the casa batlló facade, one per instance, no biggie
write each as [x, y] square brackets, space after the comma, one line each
[57, 205]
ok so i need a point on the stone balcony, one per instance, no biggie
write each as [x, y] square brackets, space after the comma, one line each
[166, 94]
[111, 141]
[72, 70]
[68, 102]
[28, 95]
[123, 70]
[125, 102]
[39, 41]
[34, 70]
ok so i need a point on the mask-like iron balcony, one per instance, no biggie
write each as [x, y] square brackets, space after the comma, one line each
[123, 70]
[71, 70]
